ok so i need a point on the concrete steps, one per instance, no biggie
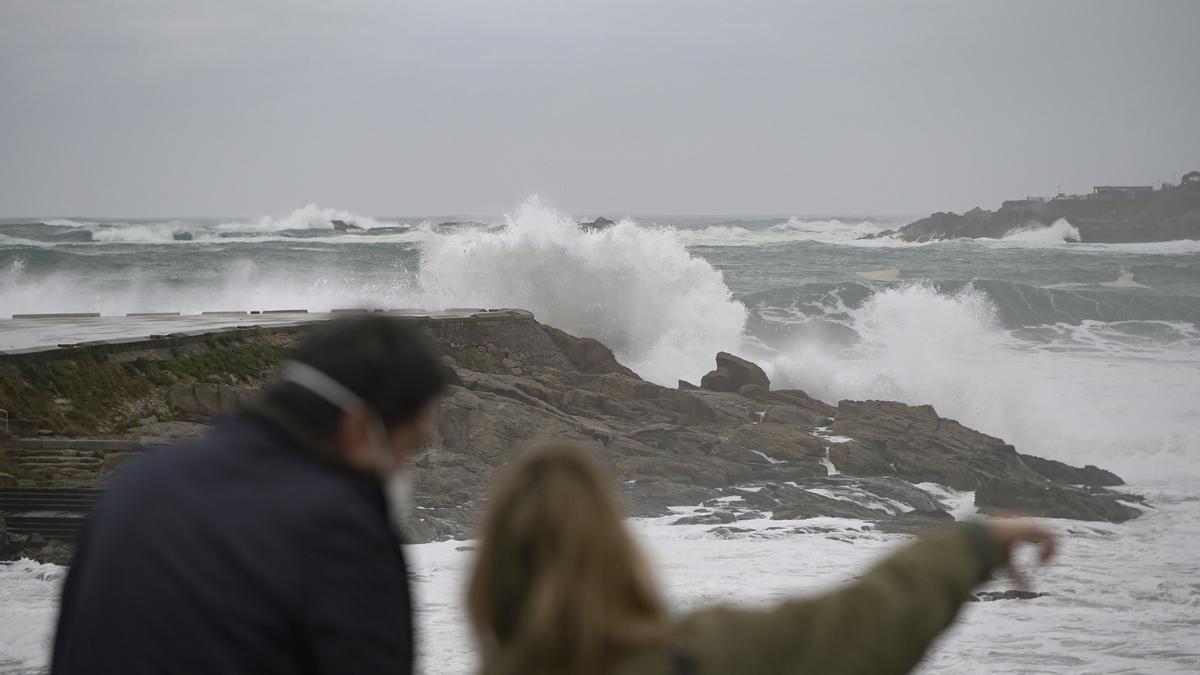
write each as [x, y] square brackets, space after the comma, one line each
[50, 512]
[70, 459]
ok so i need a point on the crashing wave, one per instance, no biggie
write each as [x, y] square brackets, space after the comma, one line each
[1059, 232]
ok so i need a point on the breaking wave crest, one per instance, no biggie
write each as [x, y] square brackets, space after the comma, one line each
[663, 311]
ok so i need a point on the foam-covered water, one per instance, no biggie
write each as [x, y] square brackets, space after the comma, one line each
[1088, 353]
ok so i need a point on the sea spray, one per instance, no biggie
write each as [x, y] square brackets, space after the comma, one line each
[1059, 232]
[304, 218]
[1078, 395]
[662, 310]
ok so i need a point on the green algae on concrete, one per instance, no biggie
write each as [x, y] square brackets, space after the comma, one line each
[89, 393]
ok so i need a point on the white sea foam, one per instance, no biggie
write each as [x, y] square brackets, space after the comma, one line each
[1125, 279]
[305, 218]
[147, 233]
[794, 229]
[28, 608]
[1105, 575]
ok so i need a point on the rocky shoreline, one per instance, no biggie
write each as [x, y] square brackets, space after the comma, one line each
[1168, 214]
[732, 448]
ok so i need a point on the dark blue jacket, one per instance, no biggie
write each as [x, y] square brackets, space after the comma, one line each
[241, 552]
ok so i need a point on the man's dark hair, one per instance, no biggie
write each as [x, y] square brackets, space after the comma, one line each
[385, 363]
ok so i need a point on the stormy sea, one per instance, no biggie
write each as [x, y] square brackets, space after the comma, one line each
[1085, 353]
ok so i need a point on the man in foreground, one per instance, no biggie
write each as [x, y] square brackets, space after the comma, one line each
[269, 545]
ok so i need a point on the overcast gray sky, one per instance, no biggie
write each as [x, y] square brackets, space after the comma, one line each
[240, 107]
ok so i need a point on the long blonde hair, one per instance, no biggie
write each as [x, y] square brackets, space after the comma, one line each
[559, 585]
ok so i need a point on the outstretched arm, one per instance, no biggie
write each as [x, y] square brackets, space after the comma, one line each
[881, 623]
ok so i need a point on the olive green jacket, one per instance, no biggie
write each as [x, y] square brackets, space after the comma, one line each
[879, 623]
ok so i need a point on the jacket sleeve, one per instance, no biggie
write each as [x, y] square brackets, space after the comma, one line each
[356, 615]
[880, 623]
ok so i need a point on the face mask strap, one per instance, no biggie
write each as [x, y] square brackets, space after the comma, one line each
[320, 384]
[335, 392]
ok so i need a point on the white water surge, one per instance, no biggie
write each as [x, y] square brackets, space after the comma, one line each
[1091, 393]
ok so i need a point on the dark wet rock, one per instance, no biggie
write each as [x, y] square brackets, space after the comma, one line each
[750, 515]
[779, 441]
[588, 355]
[989, 596]
[343, 226]
[437, 524]
[733, 373]
[879, 235]
[915, 522]
[14, 546]
[712, 518]
[1047, 500]
[1161, 215]
[1069, 475]
[913, 443]
[729, 532]
[600, 223]
[798, 504]
[652, 497]
[684, 385]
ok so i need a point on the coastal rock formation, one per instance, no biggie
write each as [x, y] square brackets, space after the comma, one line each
[734, 449]
[343, 226]
[1160, 215]
[733, 373]
[600, 223]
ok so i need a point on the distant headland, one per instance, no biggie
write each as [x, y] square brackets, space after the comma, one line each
[1109, 214]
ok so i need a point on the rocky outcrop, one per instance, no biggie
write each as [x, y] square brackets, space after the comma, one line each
[737, 450]
[733, 373]
[1163, 215]
[1060, 472]
[588, 355]
[343, 226]
[600, 223]
[913, 443]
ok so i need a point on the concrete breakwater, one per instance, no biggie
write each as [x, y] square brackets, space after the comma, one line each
[735, 451]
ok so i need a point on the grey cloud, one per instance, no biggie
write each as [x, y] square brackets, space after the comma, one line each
[248, 108]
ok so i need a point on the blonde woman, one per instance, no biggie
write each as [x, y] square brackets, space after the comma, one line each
[560, 588]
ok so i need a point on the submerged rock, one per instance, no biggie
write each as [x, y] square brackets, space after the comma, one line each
[713, 518]
[989, 596]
